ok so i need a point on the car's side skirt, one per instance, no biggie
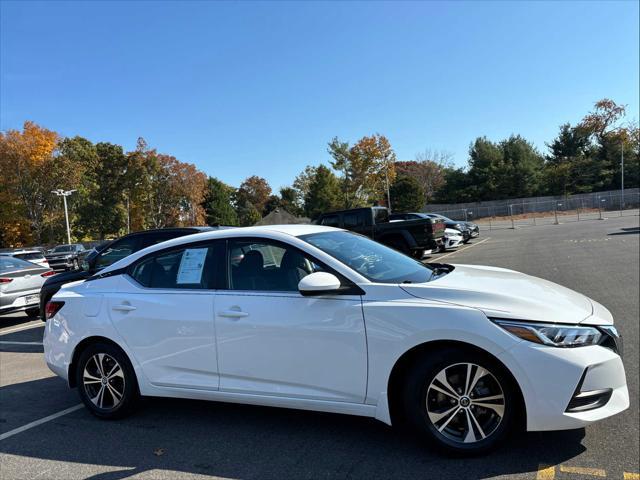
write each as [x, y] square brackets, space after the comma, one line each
[263, 400]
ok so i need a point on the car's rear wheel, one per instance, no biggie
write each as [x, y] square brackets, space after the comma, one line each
[461, 401]
[106, 381]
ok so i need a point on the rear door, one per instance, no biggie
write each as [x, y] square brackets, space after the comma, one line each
[164, 312]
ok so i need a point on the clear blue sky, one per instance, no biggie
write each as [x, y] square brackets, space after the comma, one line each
[242, 88]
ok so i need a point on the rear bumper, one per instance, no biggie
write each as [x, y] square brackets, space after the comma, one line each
[17, 302]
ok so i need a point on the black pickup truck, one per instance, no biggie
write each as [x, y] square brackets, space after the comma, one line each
[412, 237]
[66, 257]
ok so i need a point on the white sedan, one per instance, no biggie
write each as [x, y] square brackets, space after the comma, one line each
[317, 318]
[452, 239]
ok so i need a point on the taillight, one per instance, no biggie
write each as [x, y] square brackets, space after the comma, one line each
[52, 308]
[6, 280]
[48, 274]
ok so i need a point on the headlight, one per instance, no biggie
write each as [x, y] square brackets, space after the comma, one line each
[553, 335]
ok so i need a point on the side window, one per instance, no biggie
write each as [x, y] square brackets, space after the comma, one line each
[267, 266]
[331, 221]
[381, 215]
[118, 250]
[352, 220]
[193, 267]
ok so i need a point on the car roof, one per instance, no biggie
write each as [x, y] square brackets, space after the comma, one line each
[269, 230]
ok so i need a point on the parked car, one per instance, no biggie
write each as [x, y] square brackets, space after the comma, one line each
[105, 254]
[317, 318]
[469, 230]
[452, 239]
[413, 237]
[32, 255]
[66, 257]
[20, 283]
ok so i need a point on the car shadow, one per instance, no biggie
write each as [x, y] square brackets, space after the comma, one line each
[23, 341]
[626, 231]
[249, 442]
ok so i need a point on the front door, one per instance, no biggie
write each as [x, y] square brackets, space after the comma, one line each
[274, 341]
[164, 312]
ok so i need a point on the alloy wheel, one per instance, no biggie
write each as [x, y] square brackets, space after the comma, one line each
[103, 381]
[465, 403]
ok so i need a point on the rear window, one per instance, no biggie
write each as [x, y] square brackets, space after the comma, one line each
[352, 220]
[381, 215]
[8, 264]
[331, 221]
[30, 256]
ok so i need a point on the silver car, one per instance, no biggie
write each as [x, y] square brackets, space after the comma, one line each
[20, 283]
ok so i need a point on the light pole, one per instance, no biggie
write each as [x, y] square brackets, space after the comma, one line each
[64, 194]
[622, 176]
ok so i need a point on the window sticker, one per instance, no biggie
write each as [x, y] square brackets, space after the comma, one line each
[191, 265]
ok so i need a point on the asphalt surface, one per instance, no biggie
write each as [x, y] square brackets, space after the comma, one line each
[178, 439]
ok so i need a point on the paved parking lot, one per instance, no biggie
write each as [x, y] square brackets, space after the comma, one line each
[189, 439]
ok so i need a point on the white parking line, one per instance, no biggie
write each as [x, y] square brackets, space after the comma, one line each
[37, 323]
[463, 249]
[28, 426]
[20, 343]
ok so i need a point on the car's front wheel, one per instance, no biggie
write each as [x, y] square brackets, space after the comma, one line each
[461, 401]
[106, 381]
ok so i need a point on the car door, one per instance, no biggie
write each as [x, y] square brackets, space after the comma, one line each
[164, 312]
[274, 341]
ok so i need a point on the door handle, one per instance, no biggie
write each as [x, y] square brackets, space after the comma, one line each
[124, 308]
[233, 314]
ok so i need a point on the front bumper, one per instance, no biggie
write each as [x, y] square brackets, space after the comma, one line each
[59, 264]
[453, 242]
[550, 378]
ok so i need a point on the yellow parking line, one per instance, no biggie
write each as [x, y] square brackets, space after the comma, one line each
[594, 472]
[546, 472]
[631, 476]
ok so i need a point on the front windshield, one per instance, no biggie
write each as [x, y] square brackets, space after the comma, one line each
[64, 248]
[370, 259]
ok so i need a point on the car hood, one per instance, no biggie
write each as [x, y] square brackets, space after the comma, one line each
[502, 293]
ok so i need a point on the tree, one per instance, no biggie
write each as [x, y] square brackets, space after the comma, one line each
[367, 168]
[30, 170]
[302, 181]
[290, 200]
[248, 214]
[486, 169]
[255, 191]
[217, 204]
[407, 195]
[427, 169]
[456, 188]
[324, 193]
[103, 213]
[508, 169]
[522, 167]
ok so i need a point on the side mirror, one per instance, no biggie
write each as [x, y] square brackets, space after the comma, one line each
[319, 283]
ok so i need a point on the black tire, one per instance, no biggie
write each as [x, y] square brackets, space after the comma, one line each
[109, 406]
[33, 313]
[424, 402]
